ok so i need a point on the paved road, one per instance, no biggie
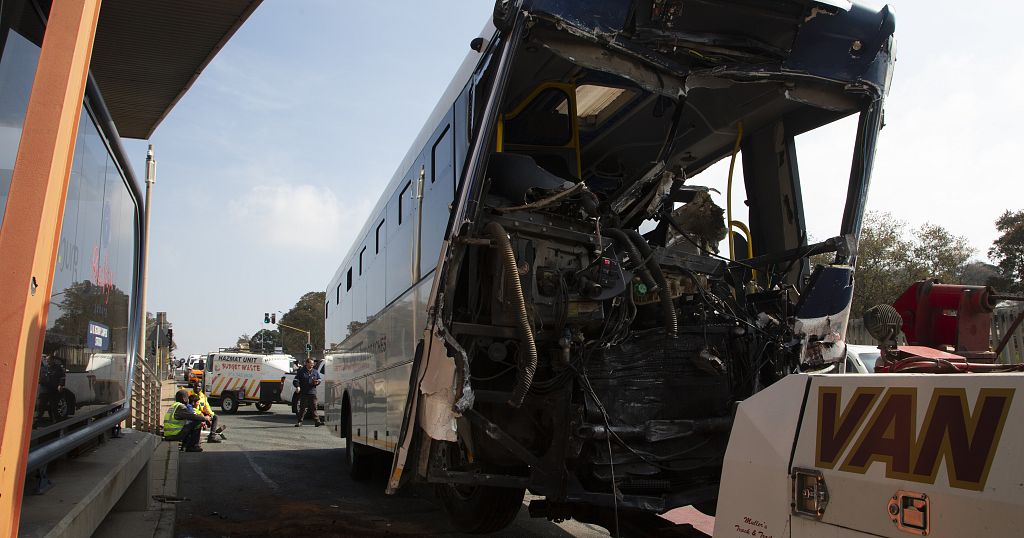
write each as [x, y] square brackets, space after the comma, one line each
[272, 479]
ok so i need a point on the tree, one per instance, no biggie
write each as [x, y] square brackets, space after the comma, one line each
[265, 341]
[308, 315]
[1008, 251]
[890, 259]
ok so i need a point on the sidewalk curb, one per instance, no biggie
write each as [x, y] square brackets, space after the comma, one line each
[169, 488]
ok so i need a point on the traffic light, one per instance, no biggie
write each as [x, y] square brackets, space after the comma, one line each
[273, 319]
[266, 317]
[170, 337]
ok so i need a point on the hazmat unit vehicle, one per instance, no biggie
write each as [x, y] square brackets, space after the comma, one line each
[237, 379]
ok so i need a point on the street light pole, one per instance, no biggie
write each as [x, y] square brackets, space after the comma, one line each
[144, 277]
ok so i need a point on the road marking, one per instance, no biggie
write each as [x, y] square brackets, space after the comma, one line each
[252, 463]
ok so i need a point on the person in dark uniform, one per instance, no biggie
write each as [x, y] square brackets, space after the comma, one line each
[52, 378]
[305, 383]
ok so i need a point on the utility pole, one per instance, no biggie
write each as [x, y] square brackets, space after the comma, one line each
[161, 322]
[309, 338]
[144, 277]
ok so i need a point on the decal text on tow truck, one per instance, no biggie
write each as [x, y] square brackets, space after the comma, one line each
[877, 425]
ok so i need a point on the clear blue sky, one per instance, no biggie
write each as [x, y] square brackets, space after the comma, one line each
[269, 164]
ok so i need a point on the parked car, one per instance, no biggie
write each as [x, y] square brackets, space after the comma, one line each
[860, 359]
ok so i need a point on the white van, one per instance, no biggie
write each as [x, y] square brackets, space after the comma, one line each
[234, 379]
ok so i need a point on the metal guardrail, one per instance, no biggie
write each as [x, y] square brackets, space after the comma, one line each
[145, 399]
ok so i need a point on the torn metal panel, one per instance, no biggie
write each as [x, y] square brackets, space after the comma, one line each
[436, 415]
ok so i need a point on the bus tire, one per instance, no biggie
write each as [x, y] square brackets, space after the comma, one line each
[263, 407]
[480, 509]
[229, 402]
[359, 467]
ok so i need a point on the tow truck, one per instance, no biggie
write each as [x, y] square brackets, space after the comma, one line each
[928, 445]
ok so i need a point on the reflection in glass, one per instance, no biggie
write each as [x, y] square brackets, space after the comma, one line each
[17, 70]
[87, 330]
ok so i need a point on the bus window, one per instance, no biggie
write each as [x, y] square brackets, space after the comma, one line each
[544, 121]
[438, 194]
[379, 236]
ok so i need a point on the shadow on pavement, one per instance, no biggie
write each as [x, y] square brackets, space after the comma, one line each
[285, 492]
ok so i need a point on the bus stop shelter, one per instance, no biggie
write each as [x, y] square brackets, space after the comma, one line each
[130, 62]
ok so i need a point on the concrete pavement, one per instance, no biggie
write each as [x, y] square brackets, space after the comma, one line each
[272, 479]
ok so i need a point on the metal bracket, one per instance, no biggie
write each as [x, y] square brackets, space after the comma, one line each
[42, 482]
[911, 512]
[493, 431]
[810, 494]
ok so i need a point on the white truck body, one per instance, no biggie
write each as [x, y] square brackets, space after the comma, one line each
[102, 381]
[243, 376]
[876, 455]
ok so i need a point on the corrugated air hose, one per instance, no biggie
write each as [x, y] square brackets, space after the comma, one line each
[668, 310]
[527, 364]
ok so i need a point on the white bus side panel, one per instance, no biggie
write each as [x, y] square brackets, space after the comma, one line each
[398, 393]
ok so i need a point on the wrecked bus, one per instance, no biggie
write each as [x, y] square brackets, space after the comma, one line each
[537, 301]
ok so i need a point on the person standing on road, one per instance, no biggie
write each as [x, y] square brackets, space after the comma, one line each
[305, 383]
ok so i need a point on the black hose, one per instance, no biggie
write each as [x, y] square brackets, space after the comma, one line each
[667, 308]
[527, 368]
[638, 259]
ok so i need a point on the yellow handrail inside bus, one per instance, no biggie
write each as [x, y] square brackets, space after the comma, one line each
[746, 233]
[750, 242]
[728, 189]
[570, 94]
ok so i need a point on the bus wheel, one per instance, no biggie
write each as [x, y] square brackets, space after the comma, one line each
[359, 466]
[228, 403]
[478, 509]
[263, 407]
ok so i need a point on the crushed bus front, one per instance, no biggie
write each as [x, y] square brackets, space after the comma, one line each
[585, 339]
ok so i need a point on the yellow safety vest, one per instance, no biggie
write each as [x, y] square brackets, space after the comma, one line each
[173, 426]
[204, 405]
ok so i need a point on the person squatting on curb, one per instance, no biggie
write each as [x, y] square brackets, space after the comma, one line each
[183, 425]
[202, 406]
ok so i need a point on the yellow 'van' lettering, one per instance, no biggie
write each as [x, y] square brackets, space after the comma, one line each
[890, 433]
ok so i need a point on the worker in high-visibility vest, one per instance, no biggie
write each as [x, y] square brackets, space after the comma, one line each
[180, 424]
[204, 409]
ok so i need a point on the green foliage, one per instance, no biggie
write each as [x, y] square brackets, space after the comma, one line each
[265, 341]
[890, 258]
[308, 315]
[1008, 251]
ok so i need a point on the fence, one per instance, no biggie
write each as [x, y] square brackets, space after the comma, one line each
[1002, 318]
[145, 404]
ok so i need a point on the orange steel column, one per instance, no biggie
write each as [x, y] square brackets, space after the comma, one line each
[31, 231]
